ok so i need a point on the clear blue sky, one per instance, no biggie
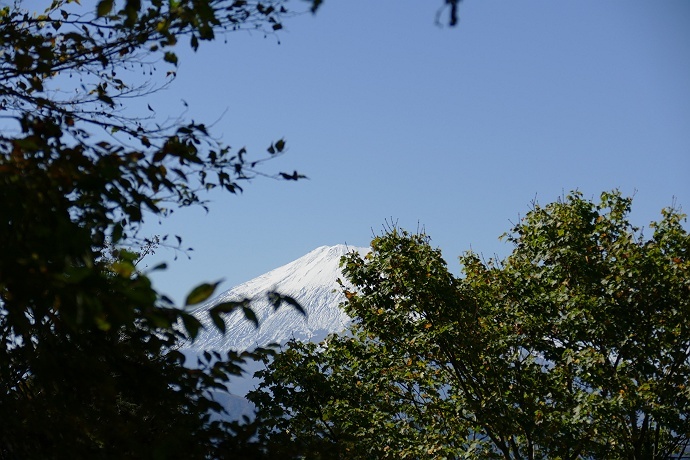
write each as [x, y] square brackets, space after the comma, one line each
[453, 129]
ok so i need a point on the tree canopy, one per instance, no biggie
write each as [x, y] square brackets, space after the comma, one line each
[88, 362]
[575, 346]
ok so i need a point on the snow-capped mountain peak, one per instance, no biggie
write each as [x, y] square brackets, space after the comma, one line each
[310, 280]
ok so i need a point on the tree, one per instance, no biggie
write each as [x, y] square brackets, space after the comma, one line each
[88, 366]
[575, 346]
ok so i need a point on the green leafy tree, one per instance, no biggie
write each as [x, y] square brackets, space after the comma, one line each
[575, 346]
[352, 397]
[88, 366]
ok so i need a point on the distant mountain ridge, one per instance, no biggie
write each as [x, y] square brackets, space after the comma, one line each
[311, 280]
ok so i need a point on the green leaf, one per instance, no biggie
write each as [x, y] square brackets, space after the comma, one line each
[123, 268]
[132, 8]
[201, 293]
[102, 323]
[170, 57]
[104, 8]
[229, 307]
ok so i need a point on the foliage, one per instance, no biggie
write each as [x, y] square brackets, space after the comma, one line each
[351, 397]
[577, 345]
[88, 366]
[88, 363]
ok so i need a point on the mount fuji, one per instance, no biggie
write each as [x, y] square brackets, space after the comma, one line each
[311, 280]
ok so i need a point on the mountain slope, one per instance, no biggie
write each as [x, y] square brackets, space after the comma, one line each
[311, 280]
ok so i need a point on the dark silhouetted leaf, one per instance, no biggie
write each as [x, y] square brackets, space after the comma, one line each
[250, 315]
[217, 320]
[191, 325]
[170, 57]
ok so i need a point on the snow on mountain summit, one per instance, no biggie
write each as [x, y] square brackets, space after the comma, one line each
[311, 280]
